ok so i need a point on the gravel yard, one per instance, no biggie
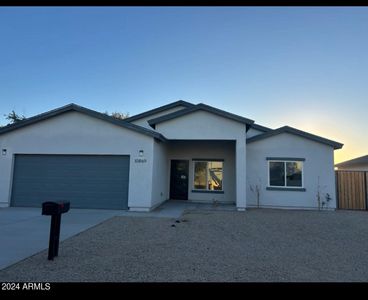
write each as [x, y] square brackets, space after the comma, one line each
[206, 246]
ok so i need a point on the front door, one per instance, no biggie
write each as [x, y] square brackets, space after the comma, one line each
[179, 179]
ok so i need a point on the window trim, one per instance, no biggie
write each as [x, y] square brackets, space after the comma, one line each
[208, 159]
[284, 187]
[194, 190]
[286, 158]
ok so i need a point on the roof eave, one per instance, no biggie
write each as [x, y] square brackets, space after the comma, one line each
[260, 127]
[171, 116]
[159, 109]
[297, 132]
[37, 118]
[354, 162]
[81, 109]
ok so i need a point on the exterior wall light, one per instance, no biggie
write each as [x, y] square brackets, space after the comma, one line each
[3, 151]
[141, 153]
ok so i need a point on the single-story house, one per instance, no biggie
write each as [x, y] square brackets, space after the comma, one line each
[356, 164]
[185, 151]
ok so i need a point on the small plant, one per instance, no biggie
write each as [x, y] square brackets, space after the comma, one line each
[327, 200]
[257, 190]
[322, 203]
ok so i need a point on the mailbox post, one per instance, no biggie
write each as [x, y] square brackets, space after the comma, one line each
[54, 209]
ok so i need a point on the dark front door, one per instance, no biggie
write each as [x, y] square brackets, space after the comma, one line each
[179, 179]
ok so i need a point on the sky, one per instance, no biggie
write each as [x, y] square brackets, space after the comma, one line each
[306, 67]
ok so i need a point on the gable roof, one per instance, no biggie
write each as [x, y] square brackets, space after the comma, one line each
[260, 127]
[83, 110]
[202, 107]
[159, 109]
[291, 130]
[354, 162]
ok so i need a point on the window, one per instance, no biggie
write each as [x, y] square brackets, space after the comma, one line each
[285, 174]
[208, 175]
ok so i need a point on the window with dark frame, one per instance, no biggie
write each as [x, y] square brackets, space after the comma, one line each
[285, 174]
[208, 175]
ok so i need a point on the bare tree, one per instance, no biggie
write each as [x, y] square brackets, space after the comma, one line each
[256, 189]
[13, 117]
[118, 115]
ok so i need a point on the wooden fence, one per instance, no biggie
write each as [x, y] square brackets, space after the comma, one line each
[352, 189]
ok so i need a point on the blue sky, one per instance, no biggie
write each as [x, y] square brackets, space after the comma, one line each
[305, 67]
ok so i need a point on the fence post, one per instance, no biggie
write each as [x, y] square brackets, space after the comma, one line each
[365, 190]
[337, 189]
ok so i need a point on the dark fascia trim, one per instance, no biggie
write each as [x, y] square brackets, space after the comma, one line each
[354, 162]
[83, 110]
[291, 130]
[203, 107]
[285, 189]
[286, 158]
[208, 191]
[207, 159]
[159, 109]
[260, 127]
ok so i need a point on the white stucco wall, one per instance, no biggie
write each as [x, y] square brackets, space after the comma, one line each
[207, 150]
[76, 133]
[318, 164]
[202, 125]
[159, 174]
[143, 121]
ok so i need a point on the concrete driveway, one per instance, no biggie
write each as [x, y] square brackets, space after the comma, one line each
[25, 232]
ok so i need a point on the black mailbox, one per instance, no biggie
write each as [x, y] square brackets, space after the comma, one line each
[54, 209]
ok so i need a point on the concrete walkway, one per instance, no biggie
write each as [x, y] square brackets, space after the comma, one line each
[25, 232]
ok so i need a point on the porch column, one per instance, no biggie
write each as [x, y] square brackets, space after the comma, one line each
[240, 172]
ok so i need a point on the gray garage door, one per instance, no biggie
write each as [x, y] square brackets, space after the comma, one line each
[87, 181]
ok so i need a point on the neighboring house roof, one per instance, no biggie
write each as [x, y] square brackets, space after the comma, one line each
[260, 127]
[83, 110]
[291, 130]
[202, 107]
[159, 109]
[354, 162]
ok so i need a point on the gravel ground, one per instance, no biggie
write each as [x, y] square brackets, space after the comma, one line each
[213, 246]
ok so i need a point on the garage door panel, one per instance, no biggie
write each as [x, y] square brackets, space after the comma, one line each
[87, 181]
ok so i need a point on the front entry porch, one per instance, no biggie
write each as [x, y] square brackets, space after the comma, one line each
[204, 171]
